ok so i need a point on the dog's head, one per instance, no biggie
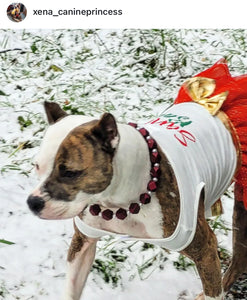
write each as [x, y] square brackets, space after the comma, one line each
[74, 163]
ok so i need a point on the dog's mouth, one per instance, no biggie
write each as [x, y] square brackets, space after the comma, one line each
[62, 210]
[50, 209]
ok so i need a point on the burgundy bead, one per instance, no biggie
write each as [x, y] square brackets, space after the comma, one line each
[134, 208]
[155, 157]
[145, 198]
[132, 124]
[144, 132]
[121, 213]
[151, 144]
[95, 209]
[152, 186]
[155, 172]
[107, 214]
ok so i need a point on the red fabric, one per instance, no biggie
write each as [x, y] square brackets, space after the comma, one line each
[235, 106]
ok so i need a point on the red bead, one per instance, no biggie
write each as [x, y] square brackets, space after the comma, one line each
[132, 124]
[107, 214]
[134, 208]
[121, 213]
[145, 198]
[151, 144]
[95, 209]
[155, 172]
[144, 132]
[155, 157]
[152, 186]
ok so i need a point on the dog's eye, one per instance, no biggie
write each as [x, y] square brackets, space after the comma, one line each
[64, 172]
[37, 166]
[72, 174]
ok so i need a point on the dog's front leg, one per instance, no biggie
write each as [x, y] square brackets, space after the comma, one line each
[80, 258]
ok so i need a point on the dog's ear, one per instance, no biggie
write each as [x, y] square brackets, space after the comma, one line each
[53, 112]
[106, 131]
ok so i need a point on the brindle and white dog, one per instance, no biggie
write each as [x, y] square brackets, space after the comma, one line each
[96, 168]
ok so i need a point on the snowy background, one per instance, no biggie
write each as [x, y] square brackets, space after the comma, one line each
[133, 74]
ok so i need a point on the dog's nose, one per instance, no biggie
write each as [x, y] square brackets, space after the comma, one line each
[36, 204]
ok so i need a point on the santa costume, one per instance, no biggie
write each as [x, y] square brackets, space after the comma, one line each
[234, 109]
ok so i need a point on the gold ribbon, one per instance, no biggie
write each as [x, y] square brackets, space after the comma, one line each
[200, 89]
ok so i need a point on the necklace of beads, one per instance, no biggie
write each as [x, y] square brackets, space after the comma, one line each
[144, 198]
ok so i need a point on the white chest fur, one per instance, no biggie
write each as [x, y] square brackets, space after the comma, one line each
[146, 224]
[131, 173]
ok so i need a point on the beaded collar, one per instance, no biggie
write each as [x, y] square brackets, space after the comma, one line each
[144, 198]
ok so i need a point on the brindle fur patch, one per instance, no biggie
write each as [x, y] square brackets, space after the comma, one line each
[168, 196]
[239, 259]
[203, 251]
[76, 245]
[80, 165]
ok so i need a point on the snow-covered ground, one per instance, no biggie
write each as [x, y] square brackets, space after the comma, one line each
[132, 73]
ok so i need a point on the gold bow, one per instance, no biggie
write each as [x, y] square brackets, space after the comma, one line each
[200, 88]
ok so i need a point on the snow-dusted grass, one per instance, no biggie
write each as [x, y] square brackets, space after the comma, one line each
[134, 74]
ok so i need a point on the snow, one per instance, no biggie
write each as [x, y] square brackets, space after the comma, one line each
[34, 268]
[102, 71]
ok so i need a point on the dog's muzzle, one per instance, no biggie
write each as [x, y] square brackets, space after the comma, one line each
[35, 203]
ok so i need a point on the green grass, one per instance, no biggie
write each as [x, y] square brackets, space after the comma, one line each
[130, 73]
[6, 242]
[125, 72]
